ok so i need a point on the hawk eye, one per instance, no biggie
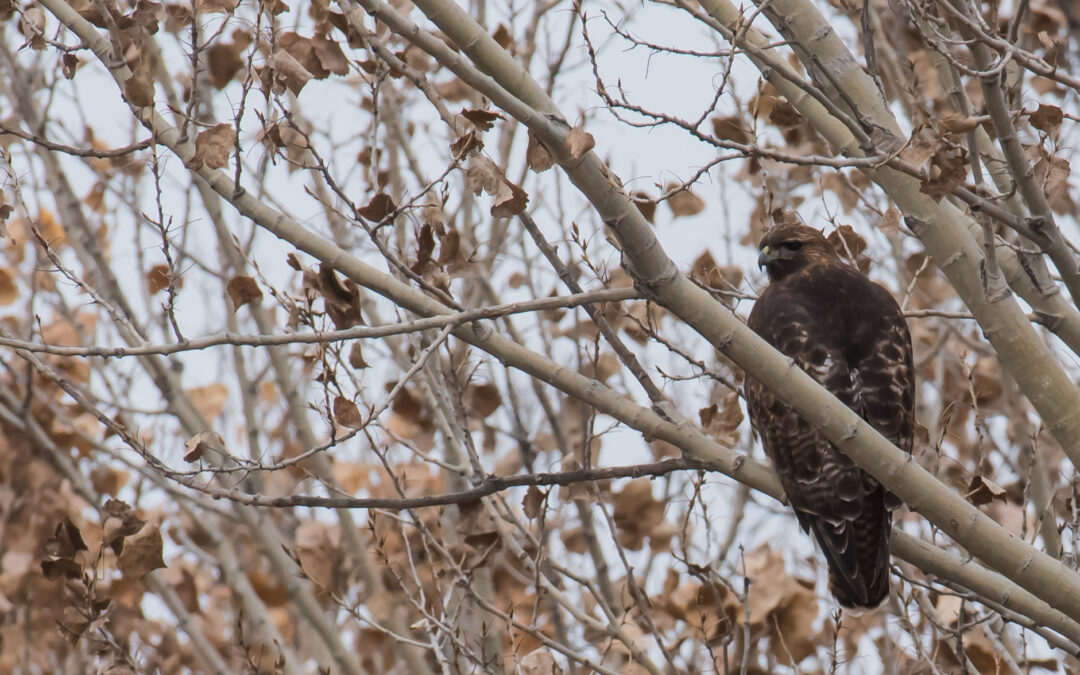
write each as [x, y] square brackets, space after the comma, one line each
[793, 245]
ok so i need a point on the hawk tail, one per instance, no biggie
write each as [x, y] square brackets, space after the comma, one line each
[857, 552]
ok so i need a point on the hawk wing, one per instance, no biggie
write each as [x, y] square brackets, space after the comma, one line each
[849, 334]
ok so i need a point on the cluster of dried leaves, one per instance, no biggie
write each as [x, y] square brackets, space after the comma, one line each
[155, 495]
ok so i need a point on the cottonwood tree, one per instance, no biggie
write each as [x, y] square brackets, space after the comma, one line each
[343, 337]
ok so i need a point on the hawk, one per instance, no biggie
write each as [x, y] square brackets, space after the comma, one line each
[849, 334]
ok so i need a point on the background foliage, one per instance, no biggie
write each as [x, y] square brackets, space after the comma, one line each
[332, 344]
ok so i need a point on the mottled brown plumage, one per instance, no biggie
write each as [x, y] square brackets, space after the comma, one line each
[849, 334]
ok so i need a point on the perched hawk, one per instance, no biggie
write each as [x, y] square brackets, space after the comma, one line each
[849, 334]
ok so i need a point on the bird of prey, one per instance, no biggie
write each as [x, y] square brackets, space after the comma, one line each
[849, 334]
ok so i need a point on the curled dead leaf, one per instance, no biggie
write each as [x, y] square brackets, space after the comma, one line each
[346, 413]
[533, 503]
[578, 142]
[1047, 118]
[982, 491]
[722, 421]
[32, 27]
[637, 513]
[142, 553]
[243, 289]
[377, 210]
[224, 62]
[730, 129]
[948, 169]
[645, 204]
[197, 445]
[682, 201]
[213, 147]
[484, 399]
[158, 278]
[70, 63]
[537, 156]
[483, 120]
[210, 400]
[356, 356]
[8, 288]
[956, 123]
[510, 200]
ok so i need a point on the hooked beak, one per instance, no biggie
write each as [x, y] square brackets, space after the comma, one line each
[766, 257]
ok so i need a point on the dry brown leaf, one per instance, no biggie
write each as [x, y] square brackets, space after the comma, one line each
[283, 72]
[9, 290]
[107, 480]
[948, 169]
[645, 204]
[469, 143]
[834, 182]
[223, 62]
[351, 476]
[217, 6]
[948, 608]
[706, 272]
[792, 637]
[483, 120]
[536, 155]
[573, 539]
[637, 513]
[66, 540]
[61, 567]
[922, 145]
[450, 249]
[539, 661]
[407, 406]
[425, 246]
[142, 553]
[32, 27]
[210, 400]
[356, 356]
[346, 413]
[578, 142]
[1053, 174]
[1047, 118]
[482, 176]
[722, 422]
[378, 209]
[70, 63]
[242, 290]
[483, 399]
[341, 296]
[213, 147]
[850, 245]
[510, 200]
[50, 228]
[197, 445]
[890, 222]
[683, 202]
[956, 123]
[730, 129]
[454, 89]
[770, 583]
[607, 364]
[981, 490]
[139, 88]
[533, 502]
[502, 36]
[158, 278]
[329, 54]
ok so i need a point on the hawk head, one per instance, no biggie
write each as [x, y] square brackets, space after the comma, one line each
[791, 247]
